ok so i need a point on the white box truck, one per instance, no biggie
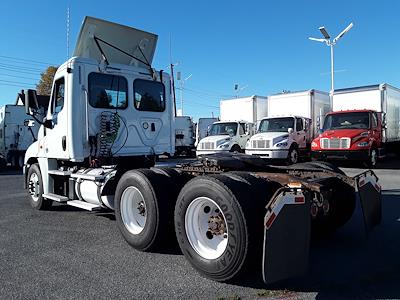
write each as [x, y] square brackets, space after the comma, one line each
[292, 123]
[17, 132]
[184, 136]
[239, 116]
[364, 125]
[202, 128]
[111, 113]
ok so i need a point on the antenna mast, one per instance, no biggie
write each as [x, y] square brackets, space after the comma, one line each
[68, 32]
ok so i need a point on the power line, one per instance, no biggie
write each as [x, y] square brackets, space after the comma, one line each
[27, 60]
[20, 67]
[9, 81]
[15, 76]
[16, 85]
[20, 71]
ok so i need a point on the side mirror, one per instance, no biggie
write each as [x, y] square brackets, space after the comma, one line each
[318, 122]
[29, 123]
[48, 123]
[249, 128]
[290, 130]
[31, 103]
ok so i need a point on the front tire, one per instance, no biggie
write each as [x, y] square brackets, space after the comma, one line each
[35, 188]
[293, 156]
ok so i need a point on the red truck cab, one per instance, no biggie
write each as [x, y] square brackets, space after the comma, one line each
[349, 135]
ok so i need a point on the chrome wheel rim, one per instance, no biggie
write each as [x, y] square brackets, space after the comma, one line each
[206, 228]
[133, 210]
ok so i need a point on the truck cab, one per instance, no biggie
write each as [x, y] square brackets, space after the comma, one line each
[225, 136]
[108, 106]
[350, 135]
[283, 138]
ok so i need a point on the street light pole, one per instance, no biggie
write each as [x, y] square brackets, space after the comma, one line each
[332, 77]
[328, 42]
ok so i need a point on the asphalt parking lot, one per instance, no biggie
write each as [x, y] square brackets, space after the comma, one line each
[73, 254]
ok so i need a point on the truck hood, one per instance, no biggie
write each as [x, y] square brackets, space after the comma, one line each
[216, 138]
[270, 136]
[350, 133]
[136, 42]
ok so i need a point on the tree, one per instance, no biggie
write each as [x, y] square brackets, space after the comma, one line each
[46, 81]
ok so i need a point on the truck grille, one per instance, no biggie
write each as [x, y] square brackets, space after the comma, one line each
[335, 143]
[207, 146]
[260, 144]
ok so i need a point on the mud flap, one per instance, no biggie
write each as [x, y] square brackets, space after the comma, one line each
[369, 193]
[287, 233]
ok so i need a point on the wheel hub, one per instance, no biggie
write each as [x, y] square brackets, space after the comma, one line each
[216, 225]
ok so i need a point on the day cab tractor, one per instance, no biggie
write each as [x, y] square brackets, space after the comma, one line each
[111, 113]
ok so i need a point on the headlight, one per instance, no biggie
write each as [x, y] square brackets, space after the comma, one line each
[220, 142]
[363, 144]
[282, 144]
[226, 145]
[314, 144]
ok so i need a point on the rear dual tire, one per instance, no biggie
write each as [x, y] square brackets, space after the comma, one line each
[219, 224]
[144, 207]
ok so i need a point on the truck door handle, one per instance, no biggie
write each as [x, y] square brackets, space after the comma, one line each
[64, 143]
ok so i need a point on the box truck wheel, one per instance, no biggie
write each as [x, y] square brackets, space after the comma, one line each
[35, 188]
[293, 155]
[144, 209]
[236, 148]
[214, 225]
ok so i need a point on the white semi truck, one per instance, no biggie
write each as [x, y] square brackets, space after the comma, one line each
[184, 136]
[238, 118]
[110, 113]
[293, 122]
[17, 132]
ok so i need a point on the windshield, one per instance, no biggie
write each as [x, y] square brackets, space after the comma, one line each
[355, 120]
[276, 125]
[224, 129]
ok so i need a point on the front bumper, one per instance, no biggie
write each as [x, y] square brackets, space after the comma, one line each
[268, 153]
[359, 155]
[206, 152]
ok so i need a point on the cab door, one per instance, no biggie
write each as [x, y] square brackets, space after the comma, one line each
[376, 132]
[300, 134]
[55, 141]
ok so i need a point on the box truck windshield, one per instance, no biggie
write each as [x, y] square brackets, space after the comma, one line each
[276, 125]
[354, 120]
[223, 129]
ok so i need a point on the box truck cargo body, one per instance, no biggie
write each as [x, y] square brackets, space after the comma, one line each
[250, 109]
[293, 121]
[184, 135]
[15, 134]
[364, 124]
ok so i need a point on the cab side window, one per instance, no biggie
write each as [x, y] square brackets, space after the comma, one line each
[58, 95]
[299, 124]
[242, 128]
